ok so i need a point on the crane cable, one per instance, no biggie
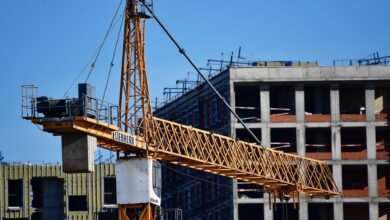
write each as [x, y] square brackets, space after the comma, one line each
[104, 40]
[81, 73]
[96, 54]
[182, 51]
[112, 63]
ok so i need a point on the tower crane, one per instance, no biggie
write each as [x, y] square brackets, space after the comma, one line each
[140, 139]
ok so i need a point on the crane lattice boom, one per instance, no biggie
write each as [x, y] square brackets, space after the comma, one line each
[214, 153]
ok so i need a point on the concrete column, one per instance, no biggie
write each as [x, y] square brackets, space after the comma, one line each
[370, 103]
[268, 213]
[338, 211]
[300, 103]
[373, 210]
[300, 114]
[233, 119]
[371, 141]
[372, 170]
[337, 175]
[303, 210]
[370, 118]
[266, 135]
[301, 140]
[335, 118]
[372, 180]
[335, 102]
[336, 142]
[265, 111]
[266, 140]
[235, 200]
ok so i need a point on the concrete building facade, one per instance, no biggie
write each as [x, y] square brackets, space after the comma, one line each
[211, 198]
[337, 114]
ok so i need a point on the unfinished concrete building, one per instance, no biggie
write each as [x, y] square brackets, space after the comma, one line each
[39, 192]
[339, 114]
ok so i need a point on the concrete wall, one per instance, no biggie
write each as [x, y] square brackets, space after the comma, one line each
[368, 79]
[283, 74]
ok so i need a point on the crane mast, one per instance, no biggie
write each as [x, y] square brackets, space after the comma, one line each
[134, 100]
[139, 134]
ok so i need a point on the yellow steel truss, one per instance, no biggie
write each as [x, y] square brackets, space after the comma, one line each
[148, 212]
[187, 146]
[134, 100]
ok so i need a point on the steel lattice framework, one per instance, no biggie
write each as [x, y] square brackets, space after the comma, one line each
[134, 100]
[279, 172]
[276, 170]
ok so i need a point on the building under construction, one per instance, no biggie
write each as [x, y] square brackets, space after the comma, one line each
[337, 113]
[44, 192]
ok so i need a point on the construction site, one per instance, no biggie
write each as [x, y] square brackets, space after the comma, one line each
[282, 140]
[338, 114]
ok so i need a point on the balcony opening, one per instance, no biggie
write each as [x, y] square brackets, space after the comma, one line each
[247, 99]
[383, 181]
[321, 211]
[247, 190]
[317, 103]
[15, 193]
[109, 190]
[286, 211]
[107, 214]
[382, 104]
[356, 211]
[243, 135]
[284, 139]
[318, 143]
[355, 183]
[282, 103]
[353, 143]
[352, 103]
[382, 143]
[37, 188]
[77, 203]
[37, 215]
[250, 211]
[384, 211]
[48, 197]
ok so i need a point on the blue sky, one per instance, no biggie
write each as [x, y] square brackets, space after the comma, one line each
[46, 43]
